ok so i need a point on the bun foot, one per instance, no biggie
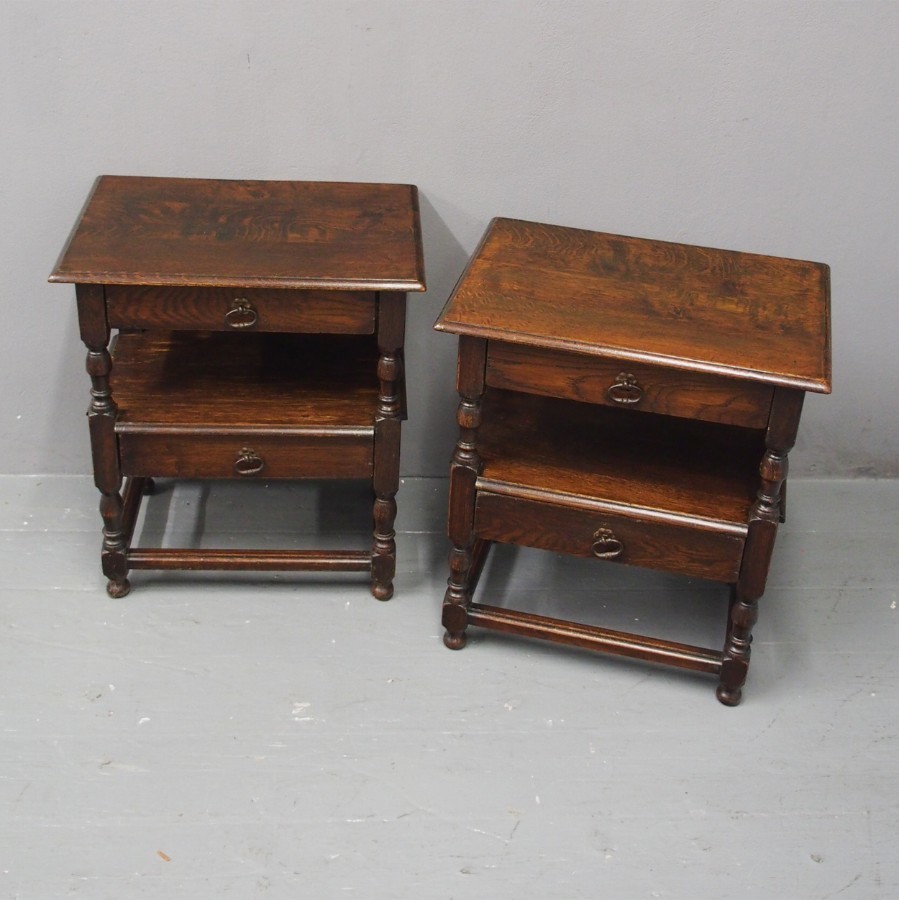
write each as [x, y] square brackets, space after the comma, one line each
[381, 591]
[729, 696]
[455, 641]
[149, 487]
[117, 589]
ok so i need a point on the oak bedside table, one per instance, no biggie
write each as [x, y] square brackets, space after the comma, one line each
[634, 401]
[260, 336]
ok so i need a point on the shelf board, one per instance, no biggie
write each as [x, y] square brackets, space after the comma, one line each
[579, 455]
[208, 382]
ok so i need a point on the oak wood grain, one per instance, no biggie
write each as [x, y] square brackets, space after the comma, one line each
[188, 454]
[613, 460]
[742, 315]
[191, 382]
[260, 336]
[209, 309]
[653, 544]
[673, 392]
[592, 637]
[294, 234]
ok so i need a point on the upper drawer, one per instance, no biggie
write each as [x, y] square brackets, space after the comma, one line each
[672, 392]
[237, 309]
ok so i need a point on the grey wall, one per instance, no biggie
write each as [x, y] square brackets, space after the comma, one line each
[764, 127]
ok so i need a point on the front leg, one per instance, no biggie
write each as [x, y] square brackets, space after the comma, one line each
[744, 610]
[101, 415]
[764, 518]
[464, 470]
[457, 599]
[386, 482]
[107, 475]
[388, 421]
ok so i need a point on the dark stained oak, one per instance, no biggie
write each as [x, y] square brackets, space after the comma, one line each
[257, 560]
[241, 309]
[741, 315]
[620, 643]
[637, 386]
[651, 542]
[603, 458]
[632, 401]
[260, 335]
[278, 382]
[287, 234]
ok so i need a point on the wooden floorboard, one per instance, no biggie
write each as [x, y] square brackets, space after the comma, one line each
[285, 735]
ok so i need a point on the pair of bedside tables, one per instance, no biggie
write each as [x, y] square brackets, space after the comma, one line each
[624, 399]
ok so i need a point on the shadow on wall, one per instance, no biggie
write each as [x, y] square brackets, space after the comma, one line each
[66, 437]
[430, 434]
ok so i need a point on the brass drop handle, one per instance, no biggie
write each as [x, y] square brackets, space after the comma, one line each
[248, 462]
[241, 314]
[606, 545]
[625, 391]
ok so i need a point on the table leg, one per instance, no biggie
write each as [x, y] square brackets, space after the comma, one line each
[386, 475]
[764, 517]
[104, 446]
[386, 483]
[464, 469]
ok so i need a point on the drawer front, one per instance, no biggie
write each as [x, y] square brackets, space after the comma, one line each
[619, 538]
[245, 456]
[236, 309]
[671, 392]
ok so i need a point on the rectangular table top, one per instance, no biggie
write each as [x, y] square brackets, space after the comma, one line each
[284, 234]
[739, 314]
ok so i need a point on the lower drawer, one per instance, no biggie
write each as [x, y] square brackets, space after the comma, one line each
[651, 543]
[247, 455]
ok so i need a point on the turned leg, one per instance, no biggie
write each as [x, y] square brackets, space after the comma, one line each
[112, 557]
[763, 522]
[764, 518]
[104, 445]
[386, 476]
[457, 599]
[742, 617]
[386, 482]
[107, 474]
[464, 469]
[384, 550]
[463, 480]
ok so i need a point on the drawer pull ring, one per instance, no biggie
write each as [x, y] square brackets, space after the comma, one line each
[606, 545]
[241, 314]
[625, 391]
[248, 463]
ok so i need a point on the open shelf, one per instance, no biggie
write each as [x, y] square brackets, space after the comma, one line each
[284, 382]
[581, 455]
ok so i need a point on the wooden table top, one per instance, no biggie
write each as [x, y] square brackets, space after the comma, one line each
[282, 234]
[739, 314]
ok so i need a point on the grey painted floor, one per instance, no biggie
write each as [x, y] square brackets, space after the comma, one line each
[291, 737]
